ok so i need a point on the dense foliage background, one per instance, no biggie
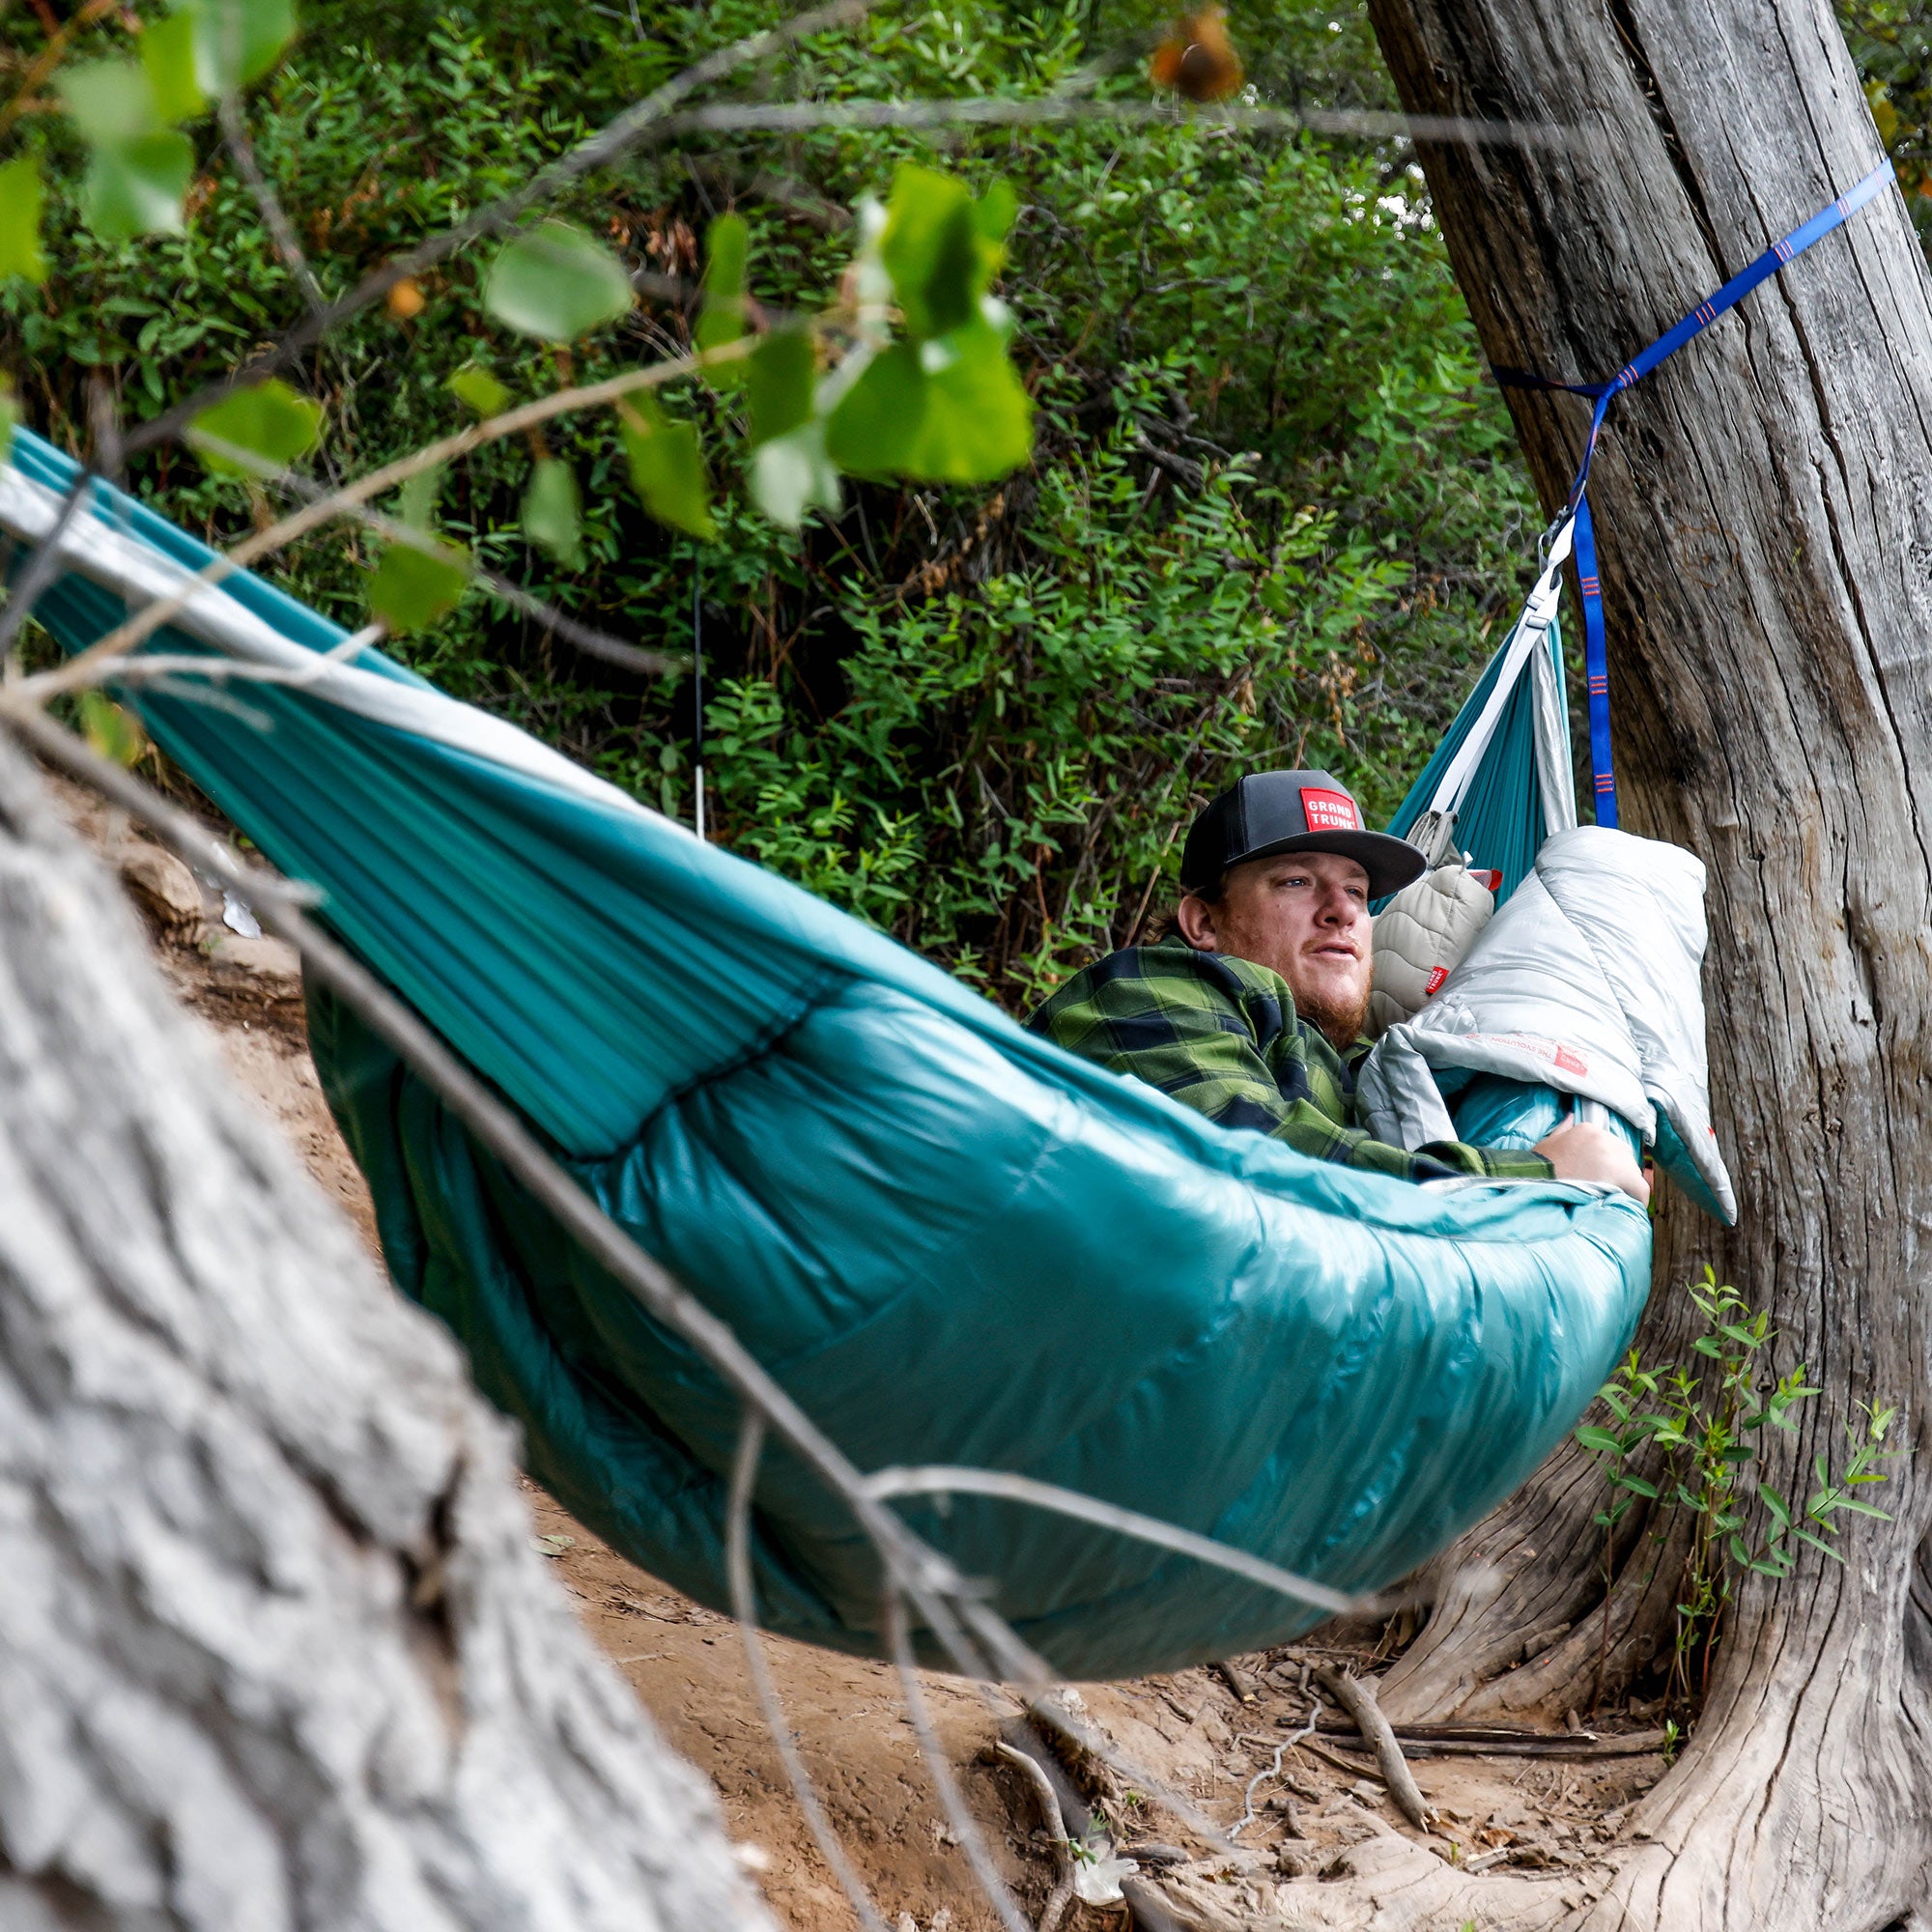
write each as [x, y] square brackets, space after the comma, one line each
[1274, 512]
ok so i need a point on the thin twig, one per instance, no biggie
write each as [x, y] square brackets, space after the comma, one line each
[159, 669]
[1261, 1777]
[639, 659]
[342, 501]
[1053, 109]
[235, 130]
[44, 565]
[942, 1479]
[1049, 1800]
[48, 58]
[609, 142]
[743, 1606]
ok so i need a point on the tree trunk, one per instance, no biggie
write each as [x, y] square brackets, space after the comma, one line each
[1761, 504]
[274, 1649]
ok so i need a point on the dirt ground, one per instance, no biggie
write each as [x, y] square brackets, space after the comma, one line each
[1209, 1737]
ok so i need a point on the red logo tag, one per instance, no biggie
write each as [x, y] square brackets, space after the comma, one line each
[1329, 811]
[1435, 979]
[1571, 1062]
[1489, 881]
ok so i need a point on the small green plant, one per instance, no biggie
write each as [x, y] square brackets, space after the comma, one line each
[1673, 1742]
[1691, 1438]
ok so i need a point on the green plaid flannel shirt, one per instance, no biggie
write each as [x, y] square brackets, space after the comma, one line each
[1220, 1036]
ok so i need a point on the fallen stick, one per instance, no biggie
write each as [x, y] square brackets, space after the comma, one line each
[1331, 1756]
[1359, 1701]
[1238, 1681]
[1625, 1744]
[1421, 1734]
[1048, 1801]
[1145, 1910]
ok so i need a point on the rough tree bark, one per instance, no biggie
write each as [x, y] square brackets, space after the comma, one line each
[1762, 503]
[275, 1651]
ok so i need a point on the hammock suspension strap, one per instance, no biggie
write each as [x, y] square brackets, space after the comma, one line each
[1576, 510]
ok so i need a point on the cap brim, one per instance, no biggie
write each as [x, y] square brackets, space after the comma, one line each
[1390, 863]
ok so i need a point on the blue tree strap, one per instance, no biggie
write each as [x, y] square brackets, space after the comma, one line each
[1596, 667]
[1596, 656]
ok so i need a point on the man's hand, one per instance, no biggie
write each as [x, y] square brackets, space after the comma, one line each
[1579, 1152]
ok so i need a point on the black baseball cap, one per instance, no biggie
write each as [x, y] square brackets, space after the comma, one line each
[1268, 813]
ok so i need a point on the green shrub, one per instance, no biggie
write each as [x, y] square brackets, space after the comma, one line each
[1273, 511]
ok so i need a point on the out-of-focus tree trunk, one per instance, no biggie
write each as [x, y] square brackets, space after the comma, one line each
[1762, 503]
[275, 1651]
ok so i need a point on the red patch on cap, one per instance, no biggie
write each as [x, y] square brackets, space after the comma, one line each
[1435, 979]
[1489, 881]
[1329, 811]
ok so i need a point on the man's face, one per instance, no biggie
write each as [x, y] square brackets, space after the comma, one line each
[1306, 915]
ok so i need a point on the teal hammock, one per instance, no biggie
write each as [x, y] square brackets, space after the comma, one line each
[948, 1240]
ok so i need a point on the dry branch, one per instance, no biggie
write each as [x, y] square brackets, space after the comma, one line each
[1044, 1796]
[1359, 1701]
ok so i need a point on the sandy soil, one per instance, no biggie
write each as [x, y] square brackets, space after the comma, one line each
[1192, 1731]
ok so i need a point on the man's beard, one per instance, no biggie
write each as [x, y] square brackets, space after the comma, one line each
[1341, 1018]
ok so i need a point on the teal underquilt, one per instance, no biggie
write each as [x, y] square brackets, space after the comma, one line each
[950, 1241]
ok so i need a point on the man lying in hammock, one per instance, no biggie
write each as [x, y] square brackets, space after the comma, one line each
[1252, 1011]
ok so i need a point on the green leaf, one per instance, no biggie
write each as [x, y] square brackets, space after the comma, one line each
[110, 101]
[874, 429]
[168, 60]
[554, 513]
[1816, 1543]
[667, 466]
[557, 283]
[1600, 1441]
[412, 588]
[1648, 1490]
[415, 501]
[727, 245]
[21, 198]
[784, 373]
[112, 732]
[993, 217]
[792, 475]
[140, 168]
[977, 424]
[10, 414]
[270, 420]
[237, 41]
[136, 188]
[932, 250]
[950, 410]
[476, 389]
